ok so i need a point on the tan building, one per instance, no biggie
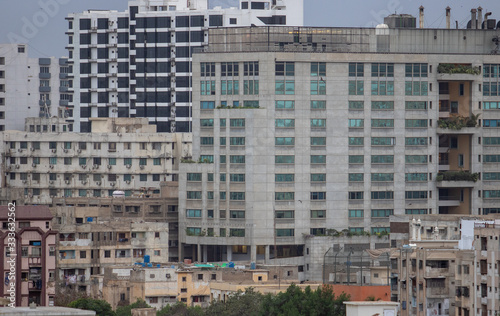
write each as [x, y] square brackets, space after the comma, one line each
[123, 154]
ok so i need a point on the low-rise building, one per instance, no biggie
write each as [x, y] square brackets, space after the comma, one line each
[28, 258]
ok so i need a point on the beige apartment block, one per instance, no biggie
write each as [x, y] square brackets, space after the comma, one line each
[122, 154]
[301, 131]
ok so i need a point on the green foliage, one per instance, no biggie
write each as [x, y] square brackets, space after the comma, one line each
[345, 232]
[241, 303]
[295, 302]
[180, 309]
[187, 160]
[457, 176]
[101, 307]
[458, 69]
[204, 160]
[459, 122]
[127, 310]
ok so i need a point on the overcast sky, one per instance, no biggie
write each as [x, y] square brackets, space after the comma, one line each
[41, 23]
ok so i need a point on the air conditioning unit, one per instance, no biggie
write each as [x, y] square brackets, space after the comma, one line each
[32, 149]
[79, 151]
[98, 183]
[65, 150]
[83, 166]
[141, 166]
[66, 181]
[54, 150]
[33, 165]
[51, 166]
[128, 181]
[51, 182]
[84, 182]
[18, 166]
[25, 181]
[112, 184]
[129, 166]
[30, 196]
[96, 167]
[109, 166]
[119, 134]
[20, 150]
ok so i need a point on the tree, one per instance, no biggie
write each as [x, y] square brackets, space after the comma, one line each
[101, 307]
[180, 309]
[295, 302]
[241, 303]
[127, 310]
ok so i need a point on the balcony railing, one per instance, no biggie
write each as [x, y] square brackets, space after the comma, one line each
[458, 69]
[457, 176]
[459, 122]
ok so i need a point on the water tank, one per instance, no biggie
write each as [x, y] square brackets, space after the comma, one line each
[252, 265]
[118, 194]
[490, 24]
[146, 259]
[231, 264]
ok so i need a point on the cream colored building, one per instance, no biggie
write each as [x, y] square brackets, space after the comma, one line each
[122, 154]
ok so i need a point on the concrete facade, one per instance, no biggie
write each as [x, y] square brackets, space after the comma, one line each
[120, 155]
[30, 87]
[28, 258]
[337, 138]
[137, 63]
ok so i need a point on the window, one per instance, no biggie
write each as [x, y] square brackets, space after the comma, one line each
[284, 214]
[382, 177]
[318, 123]
[284, 196]
[356, 141]
[232, 87]
[318, 105]
[236, 232]
[237, 214]
[356, 123]
[355, 195]
[416, 105]
[318, 86]
[284, 123]
[237, 196]
[382, 87]
[285, 68]
[356, 177]
[193, 231]
[207, 69]
[415, 211]
[416, 70]
[382, 159]
[286, 232]
[381, 230]
[356, 105]
[229, 69]
[356, 87]
[416, 87]
[356, 159]
[207, 105]
[382, 123]
[382, 105]
[411, 195]
[207, 87]
[318, 177]
[194, 177]
[193, 213]
[251, 68]
[251, 87]
[382, 213]
[356, 69]
[415, 177]
[318, 195]
[382, 195]
[287, 177]
[356, 213]
[382, 70]
[237, 158]
[284, 159]
[193, 195]
[416, 123]
[285, 87]
[284, 141]
[285, 105]
[416, 141]
[318, 141]
[206, 140]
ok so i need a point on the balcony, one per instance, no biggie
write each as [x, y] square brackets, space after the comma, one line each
[458, 125]
[44, 89]
[456, 179]
[437, 292]
[457, 72]
[449, 200]
[44, 75]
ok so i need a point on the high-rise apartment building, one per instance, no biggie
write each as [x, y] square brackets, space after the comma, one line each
[336, 128]
[31, 87]
[137, 63]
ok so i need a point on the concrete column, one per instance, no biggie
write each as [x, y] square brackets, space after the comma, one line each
[229, 253]
[198, 258]
[253, 253]
[267, 254]
[205, 254]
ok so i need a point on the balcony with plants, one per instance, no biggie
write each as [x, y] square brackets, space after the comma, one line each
[462, 72]
[458, 125]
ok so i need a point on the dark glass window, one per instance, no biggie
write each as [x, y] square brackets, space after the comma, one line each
[123, 112]
[244, 5]
[197, 36]
[182, 52]
[150, 23]
[122, 23]
[85, 83]
[85, 53]
[163, 127]
[122, 97]
[84, 68]
[103, 97]
[102, 38]
[122, 52]
[162, 22]
[163, 37]
[103, 111]
[162, 52]
[85, 97]
[122, 38]
[84, 127]
[197, 20]
[123, 67]
[140, 23]
[182, 111]
[84, 39]
[182, 96]
[183, 66]
[102, 53]
[182, 21]
[84, 24]
[102, 82]
[84, 112]
[215, 20]
[258, 6]
[123, 82]
[182, 37]
[102, 68]
[102, 24]
[182, 82]
[182, 127]
[163, 111]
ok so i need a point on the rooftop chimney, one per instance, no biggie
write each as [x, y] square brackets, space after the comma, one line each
[479, 18]
[448, 9]
[473, 19]
[421, 17]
